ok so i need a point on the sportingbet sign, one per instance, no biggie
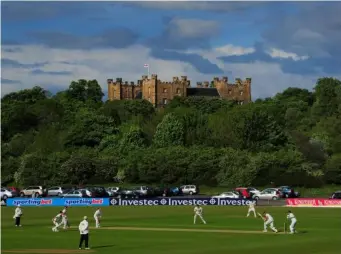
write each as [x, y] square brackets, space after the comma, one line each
[181, 202]
[58, 201]
[313, 202]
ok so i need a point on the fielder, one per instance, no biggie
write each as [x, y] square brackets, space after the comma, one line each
[198, 212]
[17, 216]
[293, 219]
[97, 217]
[251, 209]
[65, 220]
[268, 220]
[57, 221]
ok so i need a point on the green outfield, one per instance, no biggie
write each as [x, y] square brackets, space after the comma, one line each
[158, 230]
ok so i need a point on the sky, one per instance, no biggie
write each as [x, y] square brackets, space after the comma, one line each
[277, 44]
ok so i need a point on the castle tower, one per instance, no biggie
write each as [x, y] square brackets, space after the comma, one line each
[149, 89]
[114, 89]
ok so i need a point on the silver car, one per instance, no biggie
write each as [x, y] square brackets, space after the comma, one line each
[75, 194]
[189, 189]
[268, 194]
[56, 191]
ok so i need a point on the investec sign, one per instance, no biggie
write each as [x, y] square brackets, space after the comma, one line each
[181, 202]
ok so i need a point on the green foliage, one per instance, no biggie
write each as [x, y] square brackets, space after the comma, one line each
[73, 137]
[170, 132]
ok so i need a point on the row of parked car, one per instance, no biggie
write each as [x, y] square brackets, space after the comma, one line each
[98, 191]
[267, 194]
[148, 192]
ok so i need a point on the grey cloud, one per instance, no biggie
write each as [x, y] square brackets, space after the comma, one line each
[180, 34]
[202, 65]
[53, 73]
[27, 11]
[12, 50]
[9, 63]
[197, 6]
[314, 31]
[112, 38]
[10, 82]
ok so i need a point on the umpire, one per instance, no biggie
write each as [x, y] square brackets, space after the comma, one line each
[84, 231]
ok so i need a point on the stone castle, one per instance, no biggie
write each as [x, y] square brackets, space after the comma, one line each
[159, 93]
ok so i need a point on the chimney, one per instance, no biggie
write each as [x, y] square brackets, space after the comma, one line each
[175, 79]
[206, 84]
[225, 79]
[110, 80]
[199, 84]
[118, 80]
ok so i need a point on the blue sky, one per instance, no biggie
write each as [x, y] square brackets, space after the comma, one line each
[277, 44]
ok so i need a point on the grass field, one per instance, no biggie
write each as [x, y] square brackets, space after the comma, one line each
[171, 231]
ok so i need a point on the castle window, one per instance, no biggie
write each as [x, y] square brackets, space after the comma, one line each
[241, 92]
[165, 90]
[230, 92]
[164, 101]
[178, 90]
[149, 90]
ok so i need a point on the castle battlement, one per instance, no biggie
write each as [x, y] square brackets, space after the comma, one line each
[160, 92]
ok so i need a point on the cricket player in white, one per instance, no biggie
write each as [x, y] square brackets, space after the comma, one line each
[57, 221]
[97, 217]
[17, 216]
[65, 220]
[269, 220]
[251, 209]
[198, 212]
[293, 219]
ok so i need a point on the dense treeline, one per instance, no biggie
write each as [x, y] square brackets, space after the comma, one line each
[73, 137]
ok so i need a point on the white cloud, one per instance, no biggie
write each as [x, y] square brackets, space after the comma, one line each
[278, 53]
[267, 78]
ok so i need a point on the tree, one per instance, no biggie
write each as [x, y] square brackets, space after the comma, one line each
[89, 129]
[85, 90]
[333, 169]
[327, 97]
[170, 132]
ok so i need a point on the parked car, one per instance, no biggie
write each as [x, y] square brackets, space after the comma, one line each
[189, 189]
[112, 190]
[169, 191]
[58, 190]
[288, 192]
[143, 191]
[248, 192]
[96, 192]
[34, 191]
[336, 195]
[267, 194]
[127, 193]
[6, 193]
[15, 191]
[229, 194]
[75, 194]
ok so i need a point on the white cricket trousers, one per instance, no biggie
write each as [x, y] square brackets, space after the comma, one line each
[56, 225]
[292, 226]
[97, 222]
[269, 223]
[251, 210]
[200, 216]
[65, 222]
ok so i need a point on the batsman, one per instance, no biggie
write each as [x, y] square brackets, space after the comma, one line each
[268, 220]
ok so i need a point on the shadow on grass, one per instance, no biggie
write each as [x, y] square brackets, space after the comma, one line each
[103, 246]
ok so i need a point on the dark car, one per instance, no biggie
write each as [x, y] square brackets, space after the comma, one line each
[336, 195]
[98, 192]
[167, 191]
[288, 192]
[127, 193]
